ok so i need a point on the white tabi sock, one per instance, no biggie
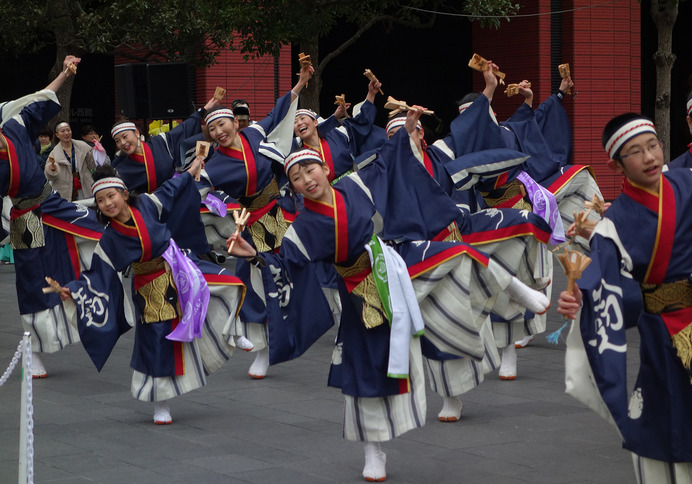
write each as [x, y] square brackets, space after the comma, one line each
[451, 409]
[162, 413]
[533, 300]
[258, 369]
[508, 368]
[375, 463]
[37, 368]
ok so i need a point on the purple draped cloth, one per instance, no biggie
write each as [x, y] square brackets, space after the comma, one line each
[193, 294]
[545, 206]
[215, 205]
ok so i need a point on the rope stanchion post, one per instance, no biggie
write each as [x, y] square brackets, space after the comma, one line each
[26, 420]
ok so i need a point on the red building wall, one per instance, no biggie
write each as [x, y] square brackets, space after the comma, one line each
[252, 80]
[602, 46]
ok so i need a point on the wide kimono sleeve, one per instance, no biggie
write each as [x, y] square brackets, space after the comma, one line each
[100, 306]
[611, 303]
[172, 139]
[34, 110]
[178, 201]
[298, 312]
[472, 130]
[275, 132]
[531, 140]
[410, 201]
[358, 130]
[553, 122]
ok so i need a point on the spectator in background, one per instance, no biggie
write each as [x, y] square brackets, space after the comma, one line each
[43, 146]
[241, 110]
[92, 138]
[70, 165]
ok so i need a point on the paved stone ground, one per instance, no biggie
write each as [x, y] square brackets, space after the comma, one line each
[287, 427]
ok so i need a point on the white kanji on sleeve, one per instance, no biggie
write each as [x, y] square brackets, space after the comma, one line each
[609, 316]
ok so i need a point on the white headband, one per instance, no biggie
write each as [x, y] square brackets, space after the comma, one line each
[626, 132]
[219, 113]
[60, 125]
[110, 182]
[398, 122]
[119, 128]
[298, 156]
[689, 107]
[464, 107]
[307, 112]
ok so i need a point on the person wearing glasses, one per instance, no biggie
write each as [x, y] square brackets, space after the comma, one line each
[642, 241]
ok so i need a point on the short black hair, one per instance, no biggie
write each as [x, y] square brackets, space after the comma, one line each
[469, 98]
[89, 128]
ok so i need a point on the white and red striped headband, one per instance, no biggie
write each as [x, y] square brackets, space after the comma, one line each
[689, 107]
[464, 107]
[218, 113]
[109, 182]
[399, 122]
[626, 132]
[307, 112]
[302, 155]
[119, 128]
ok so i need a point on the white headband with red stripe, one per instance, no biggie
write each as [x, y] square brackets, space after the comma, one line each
[109, 182]
[302, 155]
[626, 132]
[119, 128]
[307, 112]
[399, 122]
[218, 113]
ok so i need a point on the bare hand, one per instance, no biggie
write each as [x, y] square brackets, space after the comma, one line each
[373, 88]
[306, 74]
[211, 104]
[196, 166]
[491, 80]
[412, 117]
[566, 84]
[569, 304]
[525, 90]
[241, 247]
[584, 230]
[341, 111]
[70, 59]
[65, 294]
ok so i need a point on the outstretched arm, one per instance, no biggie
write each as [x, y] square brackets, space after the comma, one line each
[526, 91]
[60, 79]
[373, 89]
[305, 75]
[490, 80]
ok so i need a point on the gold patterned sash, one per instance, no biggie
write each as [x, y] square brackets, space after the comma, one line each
[673, 301]
[666, 297]
[364, 295]
[504, 193]
[158, 298]
[268, 232]
[26, 230]
[261, 198]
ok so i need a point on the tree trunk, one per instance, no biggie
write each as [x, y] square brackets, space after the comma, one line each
[310, 97]
[65, 41]
[664, 13]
